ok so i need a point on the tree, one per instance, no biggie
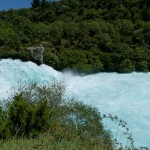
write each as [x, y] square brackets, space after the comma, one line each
[87, 122]
[33, 117]
[142, 66]
[126, 66]
[35, 3]
[43, 2]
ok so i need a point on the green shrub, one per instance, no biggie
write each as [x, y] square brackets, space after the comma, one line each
[142, 66]
[4, 128]
[37, 110]
[28, 118]
[87, 122]
[126, 66]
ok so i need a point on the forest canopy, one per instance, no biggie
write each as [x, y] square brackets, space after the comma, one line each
[86, 35]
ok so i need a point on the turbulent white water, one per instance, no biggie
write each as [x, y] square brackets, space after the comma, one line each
[124, 95]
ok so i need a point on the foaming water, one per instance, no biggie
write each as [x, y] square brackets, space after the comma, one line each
[13, 72]
[124, 95]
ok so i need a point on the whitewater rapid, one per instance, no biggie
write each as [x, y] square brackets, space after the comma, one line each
[124, 95]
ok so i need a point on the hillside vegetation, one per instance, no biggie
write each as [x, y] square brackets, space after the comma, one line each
[41, 117]
[87, 35]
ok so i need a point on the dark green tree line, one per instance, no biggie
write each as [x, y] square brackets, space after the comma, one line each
[107, 33]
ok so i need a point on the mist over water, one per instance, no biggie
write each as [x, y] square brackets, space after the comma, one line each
[124, 95]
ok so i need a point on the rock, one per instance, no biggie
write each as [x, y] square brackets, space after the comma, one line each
[37, 52]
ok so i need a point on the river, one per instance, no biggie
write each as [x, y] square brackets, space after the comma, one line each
[124, 95]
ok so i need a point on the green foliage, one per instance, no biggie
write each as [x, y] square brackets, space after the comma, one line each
[36, 110]
[142, 66]
[40, 117]
[26, 118]
[87, 122]
[114, 28]
[51, 59]
[4, 130]
[35, 3]
[126, 66]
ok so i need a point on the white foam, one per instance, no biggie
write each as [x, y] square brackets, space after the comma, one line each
[124, 95]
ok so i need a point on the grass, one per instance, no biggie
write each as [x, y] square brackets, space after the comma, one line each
[46, 142]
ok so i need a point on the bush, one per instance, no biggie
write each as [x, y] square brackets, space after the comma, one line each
[42, 109]
[27, 118]
[30, 110]
[126, 66]
[87, 122]
[142, 66]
